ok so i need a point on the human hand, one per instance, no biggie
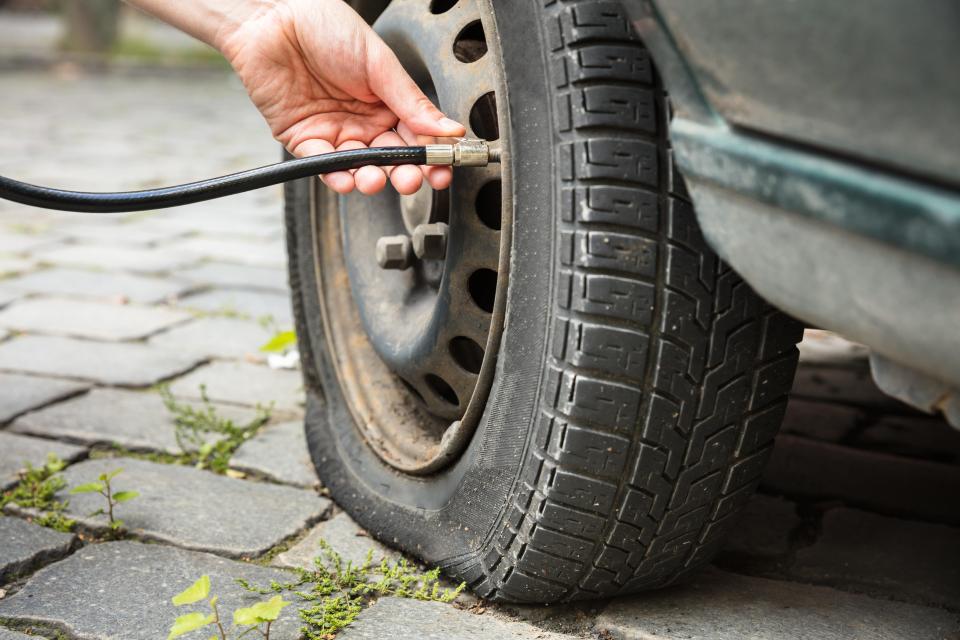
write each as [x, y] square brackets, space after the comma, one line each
[325, 81]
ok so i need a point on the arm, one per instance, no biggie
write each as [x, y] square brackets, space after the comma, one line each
[322, 79]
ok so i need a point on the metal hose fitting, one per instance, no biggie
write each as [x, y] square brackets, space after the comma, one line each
[466, 152]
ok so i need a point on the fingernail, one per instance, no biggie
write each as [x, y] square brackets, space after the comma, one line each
[447, 123]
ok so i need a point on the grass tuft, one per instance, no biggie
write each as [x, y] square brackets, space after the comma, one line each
[206, 439]
[36, 490]
[336, 592]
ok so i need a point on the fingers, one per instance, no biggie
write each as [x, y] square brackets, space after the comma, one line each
[438, 177]
[407, 178]
[367, 180]
[339, 181]
[390, 81]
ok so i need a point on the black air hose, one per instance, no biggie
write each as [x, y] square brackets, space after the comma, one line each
[463, 153]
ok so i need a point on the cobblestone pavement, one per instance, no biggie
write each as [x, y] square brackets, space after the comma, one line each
[855, 532]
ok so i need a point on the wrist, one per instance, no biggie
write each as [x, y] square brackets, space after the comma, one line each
[236, 23]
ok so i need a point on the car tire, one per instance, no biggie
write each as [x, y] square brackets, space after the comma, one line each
[639, 381]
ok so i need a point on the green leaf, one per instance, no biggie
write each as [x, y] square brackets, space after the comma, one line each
[90, 487]
[113, 474]
[261, 612]
[195, 593]
[280, 341]
[124, 496]
[187, 623]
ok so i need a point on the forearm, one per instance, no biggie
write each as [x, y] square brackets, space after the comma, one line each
[208, 20]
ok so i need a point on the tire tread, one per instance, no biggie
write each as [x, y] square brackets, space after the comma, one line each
[668, 375]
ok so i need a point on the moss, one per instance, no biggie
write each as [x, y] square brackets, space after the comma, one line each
[116, 451]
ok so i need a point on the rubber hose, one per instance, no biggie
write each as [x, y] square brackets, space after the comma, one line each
[229, 185]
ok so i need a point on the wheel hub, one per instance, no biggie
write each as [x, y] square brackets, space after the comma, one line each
[431, 321]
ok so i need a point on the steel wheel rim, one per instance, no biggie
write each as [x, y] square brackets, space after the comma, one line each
[386, 348]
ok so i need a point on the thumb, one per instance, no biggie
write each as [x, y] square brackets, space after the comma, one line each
[392, 84]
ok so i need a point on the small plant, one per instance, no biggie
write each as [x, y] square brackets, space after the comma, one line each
[36, 489]
[206, 439]
[282, 339]
[339, 591]
[103, 487]
[258, 617]
[280, 342]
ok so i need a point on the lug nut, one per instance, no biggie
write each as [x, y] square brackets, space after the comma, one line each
[394, 252]
[430, 241]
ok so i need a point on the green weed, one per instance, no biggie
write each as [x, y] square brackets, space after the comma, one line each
[207, 439]
[113, 498]
[36, 490]
[337, 592]
[258, 617]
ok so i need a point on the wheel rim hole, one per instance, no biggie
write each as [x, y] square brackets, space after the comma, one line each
[467, 353]
[490, 203]
[413, 390]
[483, 117]
[440, 387]
[442, 6]
[471, 43]
[483, 288]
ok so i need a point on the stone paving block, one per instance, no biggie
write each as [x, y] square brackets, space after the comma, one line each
[716, 605]
[122, 364]
[25, 546]
[113, 287]
[25, 242]
[821, 420]
[249, 228]
[12, 266]
[877, 481]
[22, 393]
[142, 233]
[920, 436]
[763, 528]
[4, 334]
[346, 538]
[213, 337]
[152, 260]
[85, 319]
[846, 386]
[224, 274]
[243, 383]
[827, 348]
[8, 295]
[258, 254]
[122, 591]
[6, 634]
[196, 509]
[136, 420]
[18, 450]
[408, 618]
[278, 452]
[252, 304]
[902, 559]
